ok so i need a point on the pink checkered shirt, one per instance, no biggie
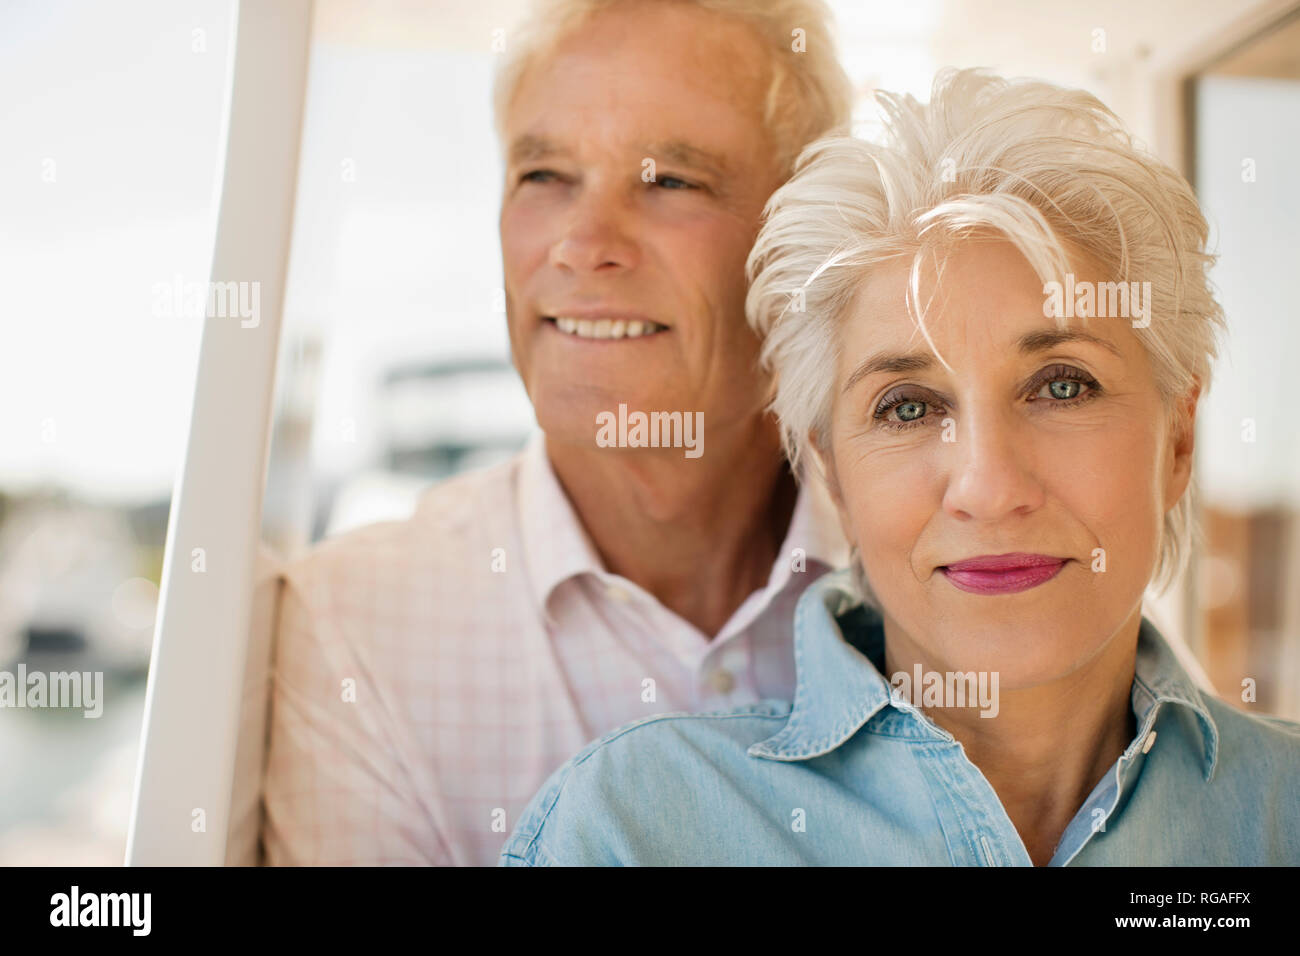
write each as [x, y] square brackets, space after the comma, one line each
[431, 673]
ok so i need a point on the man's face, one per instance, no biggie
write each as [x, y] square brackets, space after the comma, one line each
[653, 269]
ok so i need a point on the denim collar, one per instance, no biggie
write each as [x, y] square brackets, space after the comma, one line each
[838, 688]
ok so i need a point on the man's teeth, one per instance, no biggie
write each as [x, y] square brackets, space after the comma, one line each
[607, 328]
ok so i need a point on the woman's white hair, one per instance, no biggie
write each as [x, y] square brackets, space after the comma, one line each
[1052, 170]
[808, 93]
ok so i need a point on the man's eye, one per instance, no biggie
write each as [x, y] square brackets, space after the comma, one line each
[537, 176]
[672, 182]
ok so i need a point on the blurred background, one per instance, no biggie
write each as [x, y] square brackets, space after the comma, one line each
[394, 369]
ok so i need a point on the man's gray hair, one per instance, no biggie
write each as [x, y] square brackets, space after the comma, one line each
[808, 93]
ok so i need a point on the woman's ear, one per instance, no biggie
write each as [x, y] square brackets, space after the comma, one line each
[826, 468]
[825, 465]
[1182, 445]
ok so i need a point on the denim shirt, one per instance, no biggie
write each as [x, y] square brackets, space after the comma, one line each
[850, 774]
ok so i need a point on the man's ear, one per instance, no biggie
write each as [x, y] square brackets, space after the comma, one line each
[1183, 444]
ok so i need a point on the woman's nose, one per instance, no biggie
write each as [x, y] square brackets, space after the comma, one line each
[992, 469]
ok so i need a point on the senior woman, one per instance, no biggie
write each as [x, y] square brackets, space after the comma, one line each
[989, 335]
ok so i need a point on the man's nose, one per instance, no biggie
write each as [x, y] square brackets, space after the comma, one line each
[598, 233]
[992, 472]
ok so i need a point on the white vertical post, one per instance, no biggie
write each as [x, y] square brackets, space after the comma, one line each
[197, 670]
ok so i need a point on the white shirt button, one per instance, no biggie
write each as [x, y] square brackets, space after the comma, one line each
[1147, 744]
[723, 681]
[617, 594]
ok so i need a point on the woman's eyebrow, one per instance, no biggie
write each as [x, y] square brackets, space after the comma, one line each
[890, 362]
[1045, 339]
[1038, 341]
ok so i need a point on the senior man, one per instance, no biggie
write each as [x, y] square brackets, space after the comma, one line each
[643, 555]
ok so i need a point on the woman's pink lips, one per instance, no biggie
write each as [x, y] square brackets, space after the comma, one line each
[1002, 573]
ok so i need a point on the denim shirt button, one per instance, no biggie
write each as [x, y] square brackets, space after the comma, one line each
[1149, 742]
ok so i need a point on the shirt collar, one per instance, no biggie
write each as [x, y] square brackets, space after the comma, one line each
[838, 688]
[1160, 679]
[557, 547]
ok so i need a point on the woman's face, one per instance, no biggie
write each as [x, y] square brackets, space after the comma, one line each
[1008, 507]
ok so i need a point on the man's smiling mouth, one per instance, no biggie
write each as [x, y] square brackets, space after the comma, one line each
[605, 328]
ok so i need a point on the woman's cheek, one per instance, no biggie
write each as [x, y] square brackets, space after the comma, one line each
[1107, 479]
[889, 503]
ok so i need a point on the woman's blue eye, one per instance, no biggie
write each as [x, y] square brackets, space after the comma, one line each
[680, 183]
[1064, 385]
[897, 411]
